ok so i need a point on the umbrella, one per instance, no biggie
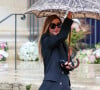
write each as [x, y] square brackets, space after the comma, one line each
[80, 8]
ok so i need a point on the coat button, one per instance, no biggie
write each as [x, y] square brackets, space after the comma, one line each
[62, 72]
[60, 83]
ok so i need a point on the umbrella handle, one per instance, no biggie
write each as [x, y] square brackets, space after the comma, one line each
[75, 66]
[70, 16]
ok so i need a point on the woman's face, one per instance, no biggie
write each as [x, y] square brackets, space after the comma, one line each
[55, 27]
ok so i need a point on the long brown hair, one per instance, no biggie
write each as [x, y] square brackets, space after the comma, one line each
[47, 22]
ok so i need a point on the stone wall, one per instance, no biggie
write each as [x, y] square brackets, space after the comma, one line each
[8, 7]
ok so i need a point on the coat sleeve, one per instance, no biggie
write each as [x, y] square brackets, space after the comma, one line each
[51, 41]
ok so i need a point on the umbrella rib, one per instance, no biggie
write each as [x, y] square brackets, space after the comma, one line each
[39, 13]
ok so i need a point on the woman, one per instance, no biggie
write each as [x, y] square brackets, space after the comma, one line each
[54, 52]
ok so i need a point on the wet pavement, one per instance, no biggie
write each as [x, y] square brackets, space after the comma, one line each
[85, 77]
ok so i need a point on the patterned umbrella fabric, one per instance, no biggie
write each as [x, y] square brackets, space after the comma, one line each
[80, 8]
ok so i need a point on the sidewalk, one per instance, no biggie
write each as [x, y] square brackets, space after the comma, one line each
[86, 77]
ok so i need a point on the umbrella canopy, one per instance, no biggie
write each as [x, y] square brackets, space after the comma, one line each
[80, 8]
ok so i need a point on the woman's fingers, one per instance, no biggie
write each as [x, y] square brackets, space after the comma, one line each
[68, 65]
[69, 15]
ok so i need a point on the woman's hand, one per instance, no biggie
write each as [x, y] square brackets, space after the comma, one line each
[69, 15]
[68, 65]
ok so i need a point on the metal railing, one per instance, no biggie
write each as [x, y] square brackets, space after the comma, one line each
[22, 18]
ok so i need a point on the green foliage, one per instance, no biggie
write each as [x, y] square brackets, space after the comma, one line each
[6, 47]
[4, 59]
[28, 87]
[37, 59]
[97, 45]
[76, 37]
[97, 61]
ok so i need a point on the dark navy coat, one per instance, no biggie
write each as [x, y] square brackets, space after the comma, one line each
[53, 50]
